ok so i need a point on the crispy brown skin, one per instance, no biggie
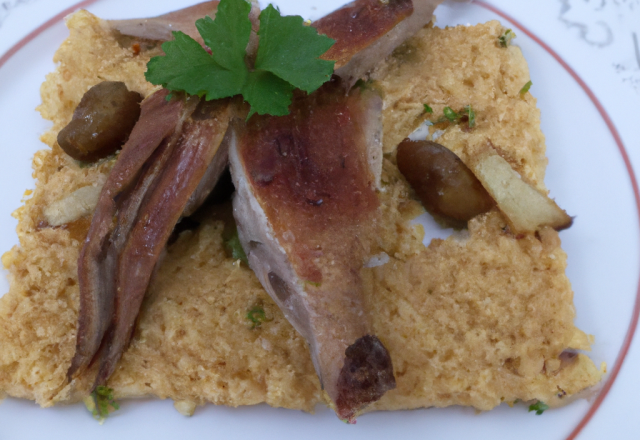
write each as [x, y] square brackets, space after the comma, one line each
[310, 179]
[310, 174]
[358, 24]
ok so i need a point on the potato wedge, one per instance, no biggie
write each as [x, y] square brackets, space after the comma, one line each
[79, 203]
[526, 209]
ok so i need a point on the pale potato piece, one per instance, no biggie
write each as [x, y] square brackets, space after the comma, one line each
[76, 205]
[526, 209]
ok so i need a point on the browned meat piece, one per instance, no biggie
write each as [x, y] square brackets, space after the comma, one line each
[158, 121]
[367, 31]
[306, 208]
[161, 27]
[101, 123]
[200, 145]
[171, 149]
[184, 20]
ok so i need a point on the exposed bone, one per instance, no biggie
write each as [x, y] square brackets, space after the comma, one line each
[306, 209]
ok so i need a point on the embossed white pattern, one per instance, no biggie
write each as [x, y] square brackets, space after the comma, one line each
[8, 6]
[611, 24]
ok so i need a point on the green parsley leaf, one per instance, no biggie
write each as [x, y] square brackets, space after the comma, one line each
[538, 407]
[291, 50]
[287, 58]
[525, 88]
[228, 35]
[451, 115]
[267, 94]
[506, 37]
[235, 248]
[187, 67]
[257, 316]
[472, 116]
[427, 108]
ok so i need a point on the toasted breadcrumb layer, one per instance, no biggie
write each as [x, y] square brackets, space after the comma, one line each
[478, 319]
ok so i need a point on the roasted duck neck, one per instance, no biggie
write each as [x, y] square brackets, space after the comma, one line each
[306, 208]
[173, 157]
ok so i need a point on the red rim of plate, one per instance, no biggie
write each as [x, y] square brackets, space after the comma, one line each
[636, 192]
[596, 102]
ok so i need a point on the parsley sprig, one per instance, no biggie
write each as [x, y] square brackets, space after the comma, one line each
[287, 58]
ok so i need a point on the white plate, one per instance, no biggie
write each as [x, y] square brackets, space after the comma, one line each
[587, 175]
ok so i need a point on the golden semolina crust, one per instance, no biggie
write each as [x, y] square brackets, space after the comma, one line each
[477, 319]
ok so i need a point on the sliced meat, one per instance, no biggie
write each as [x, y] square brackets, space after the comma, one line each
[159, 119]
[162, 27]
[306, 208]
[367, 31]
[173, 147]
[200, 144]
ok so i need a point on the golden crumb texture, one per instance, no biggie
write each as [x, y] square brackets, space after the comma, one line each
[477, 319]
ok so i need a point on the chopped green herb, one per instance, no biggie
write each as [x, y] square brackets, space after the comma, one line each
[538, 407]
[427, 109]
[525, 88]
[235, 248]
[506, 37]
[313, 283]
[450, 114]
[101, 403]
[467, 114]
[471, 115]
[257, 316]
[287, 58]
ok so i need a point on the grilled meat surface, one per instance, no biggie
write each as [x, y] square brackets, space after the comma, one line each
[306, 208]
